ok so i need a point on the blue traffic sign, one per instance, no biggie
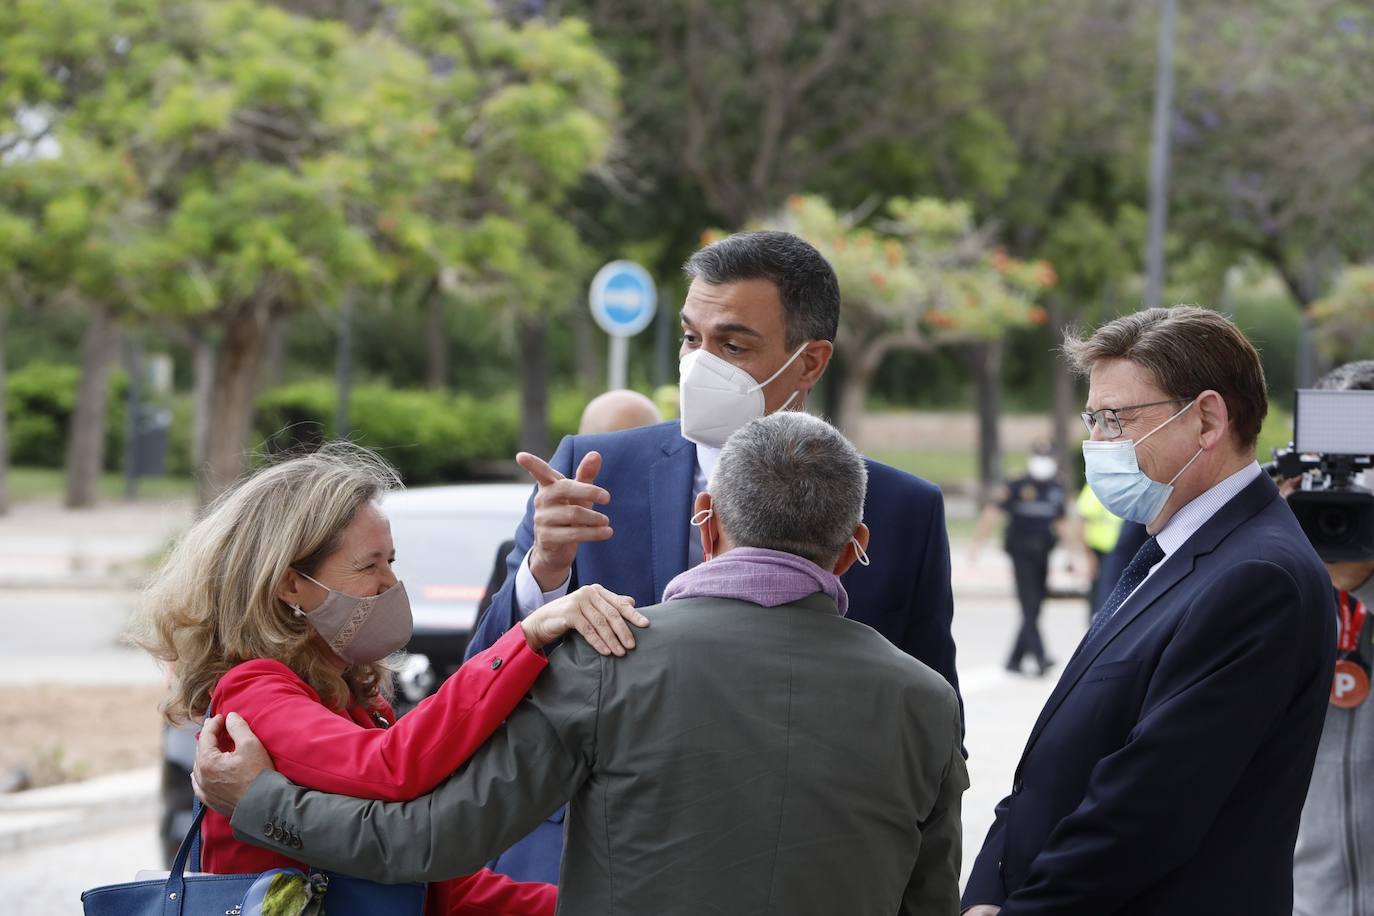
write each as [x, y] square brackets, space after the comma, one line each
[623, 298]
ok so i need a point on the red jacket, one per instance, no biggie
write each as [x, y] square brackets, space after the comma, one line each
[347, 753]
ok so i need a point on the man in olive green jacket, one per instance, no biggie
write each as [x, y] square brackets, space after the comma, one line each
[756, 753]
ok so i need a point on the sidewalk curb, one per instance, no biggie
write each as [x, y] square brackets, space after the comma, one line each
[55, 813]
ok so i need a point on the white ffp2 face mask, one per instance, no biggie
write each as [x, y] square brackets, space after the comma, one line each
[716, 398]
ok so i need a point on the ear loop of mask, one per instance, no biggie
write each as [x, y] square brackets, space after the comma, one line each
[860, 554]
[759, 386]
[1164, 424]
[698, 520]
[296, 608]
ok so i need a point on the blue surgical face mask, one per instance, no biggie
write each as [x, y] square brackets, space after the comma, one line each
[1113, 472]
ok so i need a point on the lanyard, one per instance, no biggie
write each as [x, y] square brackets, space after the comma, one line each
[1353, 613]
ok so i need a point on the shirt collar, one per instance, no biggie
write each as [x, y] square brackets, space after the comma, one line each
[706, 461]
[1194, 515]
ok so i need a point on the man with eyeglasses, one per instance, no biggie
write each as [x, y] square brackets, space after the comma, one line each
[1167, 771]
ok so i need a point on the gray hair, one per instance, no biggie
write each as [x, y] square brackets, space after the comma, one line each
[807, 285]
[790, 482]
[1357, 376]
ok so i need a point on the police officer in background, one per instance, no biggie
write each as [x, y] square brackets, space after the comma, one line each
[1034, 505]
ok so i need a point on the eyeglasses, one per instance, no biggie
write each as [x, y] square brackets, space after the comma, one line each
[1109, 419]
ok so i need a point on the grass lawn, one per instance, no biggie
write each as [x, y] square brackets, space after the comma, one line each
[953, 468]
[47, 483]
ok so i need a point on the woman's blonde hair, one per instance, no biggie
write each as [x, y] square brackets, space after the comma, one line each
[213, 604]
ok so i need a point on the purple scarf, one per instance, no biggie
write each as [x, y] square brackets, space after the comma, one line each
[764, 577]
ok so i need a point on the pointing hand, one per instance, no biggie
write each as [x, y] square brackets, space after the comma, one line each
[563, 516]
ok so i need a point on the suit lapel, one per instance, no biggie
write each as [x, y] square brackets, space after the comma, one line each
[670, 509]
[1249, 501]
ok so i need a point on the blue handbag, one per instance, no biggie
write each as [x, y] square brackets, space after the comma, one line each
[285, 891]
[231, 895]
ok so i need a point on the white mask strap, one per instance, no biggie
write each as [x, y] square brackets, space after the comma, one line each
[1185, 467]
[860, 554]
[1166, 423]
[701, 517]
[783, 368]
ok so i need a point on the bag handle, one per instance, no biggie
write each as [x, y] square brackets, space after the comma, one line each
[174, 890]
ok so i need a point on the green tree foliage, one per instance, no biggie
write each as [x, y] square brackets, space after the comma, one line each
[923, 277]
[265, 162]
[1273, 134]
[1345, 317]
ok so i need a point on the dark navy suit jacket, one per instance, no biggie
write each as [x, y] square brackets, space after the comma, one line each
[1167, 771]
[905, 593]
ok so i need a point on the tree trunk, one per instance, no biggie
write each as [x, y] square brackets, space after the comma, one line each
[534, 386]
[85, 459]
[589, 348]
[986, 359]
[436, 340]
[274, 356]
[230, 418]
[856, 376]
[4, 427]
[203, 373]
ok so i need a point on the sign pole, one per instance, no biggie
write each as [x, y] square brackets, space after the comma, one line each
[618, 364]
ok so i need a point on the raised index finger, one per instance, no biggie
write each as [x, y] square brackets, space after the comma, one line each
[543, 473]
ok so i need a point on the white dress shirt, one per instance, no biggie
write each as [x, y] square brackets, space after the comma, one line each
[528, 596]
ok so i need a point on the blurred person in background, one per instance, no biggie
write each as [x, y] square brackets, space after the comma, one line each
[1167, 772]
[1333, 865]
[279, 607]
[758, 752]
[617, 410]
[758, 327]
[1098, 530]
[1034, 506]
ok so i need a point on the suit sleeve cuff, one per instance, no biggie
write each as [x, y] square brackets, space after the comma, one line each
[528, 597]
[268, 799]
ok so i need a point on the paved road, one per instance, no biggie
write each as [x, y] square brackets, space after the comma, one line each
[1000, 709]
[69, 636]
[48, 880]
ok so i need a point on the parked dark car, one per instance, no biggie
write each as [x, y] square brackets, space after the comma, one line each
[447, 541]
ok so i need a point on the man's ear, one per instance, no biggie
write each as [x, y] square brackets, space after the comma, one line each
[709, 533]
[851, 550]
[814, 360]
[1216, 420]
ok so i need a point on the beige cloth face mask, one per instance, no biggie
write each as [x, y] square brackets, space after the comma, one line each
[362, 630]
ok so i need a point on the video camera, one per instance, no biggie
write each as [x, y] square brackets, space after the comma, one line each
[1333, 443]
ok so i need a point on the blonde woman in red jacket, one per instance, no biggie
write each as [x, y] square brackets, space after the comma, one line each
[281, 604]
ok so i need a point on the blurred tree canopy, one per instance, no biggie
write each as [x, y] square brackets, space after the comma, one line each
[215, 177]
[922, 277]
[246, 163]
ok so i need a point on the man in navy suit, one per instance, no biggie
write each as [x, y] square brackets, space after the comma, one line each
[758, 331]
[1167, 771]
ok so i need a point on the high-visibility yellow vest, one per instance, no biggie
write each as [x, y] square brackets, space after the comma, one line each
[1100, 527]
